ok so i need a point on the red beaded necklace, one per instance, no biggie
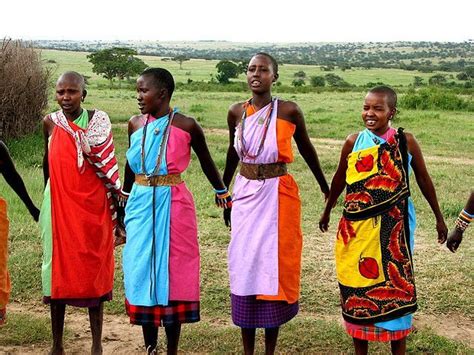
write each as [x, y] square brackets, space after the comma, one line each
[266, 122]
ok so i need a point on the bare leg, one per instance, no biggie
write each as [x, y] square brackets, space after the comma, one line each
[361, 346]
[399, 347]
[271, 336]
[96, 316]
[172, 334]
[57, 327]
[150, 335]
[248, 339]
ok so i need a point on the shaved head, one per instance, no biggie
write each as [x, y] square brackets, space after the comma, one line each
[389, 93]
[74, 77]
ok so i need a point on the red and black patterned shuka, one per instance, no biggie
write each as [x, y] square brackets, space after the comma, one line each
[381, 197]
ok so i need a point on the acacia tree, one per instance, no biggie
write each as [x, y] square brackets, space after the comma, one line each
[180, 59]
[227, 70]
[117, 63]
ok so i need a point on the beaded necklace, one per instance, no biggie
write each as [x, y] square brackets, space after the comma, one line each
[164, 140]
[266, 122]
[156, 170]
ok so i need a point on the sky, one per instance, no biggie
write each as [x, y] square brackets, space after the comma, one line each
[239, 21]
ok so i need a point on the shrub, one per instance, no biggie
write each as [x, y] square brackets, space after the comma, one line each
[317, 81]
[438, 79]
[300, 74]
[23, 89]
[298, 82]
[464, 76]
[435, 99]
[335, 80]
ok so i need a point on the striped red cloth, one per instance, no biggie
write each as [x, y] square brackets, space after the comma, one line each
[372, 333]
[97, 145]
[176, 312]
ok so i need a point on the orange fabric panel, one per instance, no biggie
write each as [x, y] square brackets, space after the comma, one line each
[285, 131]
[250, 110]
[83, 261]
[5, 285]
[290, 241]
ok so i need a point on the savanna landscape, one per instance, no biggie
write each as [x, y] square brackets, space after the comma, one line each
[444, 128]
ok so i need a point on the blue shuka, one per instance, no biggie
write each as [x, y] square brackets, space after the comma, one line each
[146, 253]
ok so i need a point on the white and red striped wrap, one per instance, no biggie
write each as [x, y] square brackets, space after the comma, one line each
[97, 145]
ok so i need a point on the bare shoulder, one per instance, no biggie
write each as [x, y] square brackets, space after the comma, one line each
[351, 138]
[412, 143]
[349, 143]
[236, 109]
[47, 119]
[410, 137]
[290, 111]
[186, 123]
[135, 122]
[48, 125]
[286, 107]
[235, 113]
[135, 119]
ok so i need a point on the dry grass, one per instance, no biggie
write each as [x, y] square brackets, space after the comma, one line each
[23, 88]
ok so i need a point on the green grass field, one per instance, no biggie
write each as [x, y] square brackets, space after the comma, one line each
[444, 280]
[201, 70]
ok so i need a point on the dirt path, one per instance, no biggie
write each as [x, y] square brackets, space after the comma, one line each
[119, 337]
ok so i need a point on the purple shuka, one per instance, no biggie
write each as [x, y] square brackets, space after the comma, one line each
[248, 312]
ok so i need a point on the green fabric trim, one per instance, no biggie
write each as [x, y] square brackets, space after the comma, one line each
[46, 237]
[83, 120]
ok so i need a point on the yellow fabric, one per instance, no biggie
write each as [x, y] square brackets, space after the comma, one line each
[4, 277]
[352, 175]
[365, 244]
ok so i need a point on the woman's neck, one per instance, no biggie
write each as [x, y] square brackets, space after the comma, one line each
[161, 112]
[260, 101]
[382, 133]
[73, 115]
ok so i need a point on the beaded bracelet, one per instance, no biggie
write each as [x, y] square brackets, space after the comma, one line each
[224, 198]
[467, 215]
[463, 221]
[224, 190]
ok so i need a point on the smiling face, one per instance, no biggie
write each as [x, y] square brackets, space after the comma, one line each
[376, 113]
[69, 95]
[260, 74]
[149, 95]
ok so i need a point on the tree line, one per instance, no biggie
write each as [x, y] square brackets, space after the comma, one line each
[422, 56]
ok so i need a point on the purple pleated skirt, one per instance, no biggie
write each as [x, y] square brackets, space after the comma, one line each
[248, 312]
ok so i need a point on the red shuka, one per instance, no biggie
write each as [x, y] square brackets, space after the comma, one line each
[83, 261]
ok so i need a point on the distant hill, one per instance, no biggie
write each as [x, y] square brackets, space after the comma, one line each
[423, 56]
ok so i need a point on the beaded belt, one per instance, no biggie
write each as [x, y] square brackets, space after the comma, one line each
[262, 171]
[158, 180]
